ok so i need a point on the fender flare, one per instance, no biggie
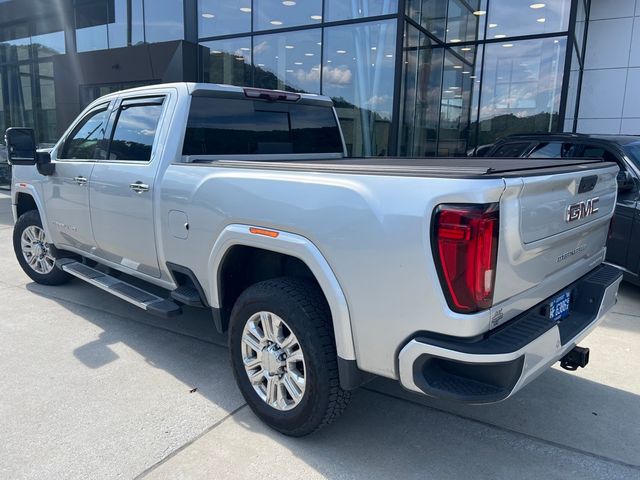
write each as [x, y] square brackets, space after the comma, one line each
[28, 189]
[301, 248]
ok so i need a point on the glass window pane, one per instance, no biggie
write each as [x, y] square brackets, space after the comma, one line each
[137, 22]
[521, 87]
[134, 132]
[91, 25]
[422, 77]
[343, 10]
[47, 129]
[465, 20]
[361, 89]
[581, 18]
[15, 43]
[572, 92]
[430, 14]
[288, 61]
[523, 17]
[271, 14]
[117, 23]
[238, 127]
[163, 20]
[49, 44]
[459, 102]
[229, 61]
[83, 141]
[223, 18]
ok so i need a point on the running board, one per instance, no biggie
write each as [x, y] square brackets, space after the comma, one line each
[136, 296]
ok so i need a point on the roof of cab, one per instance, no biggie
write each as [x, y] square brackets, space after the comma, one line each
[617, 139]
[216, 89]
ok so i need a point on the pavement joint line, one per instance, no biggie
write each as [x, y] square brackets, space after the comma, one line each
[515, 432]
[626, 314]
[187, 444]
[120, 317]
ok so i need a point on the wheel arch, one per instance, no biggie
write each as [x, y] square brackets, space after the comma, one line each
[25, 199]
[307, 259]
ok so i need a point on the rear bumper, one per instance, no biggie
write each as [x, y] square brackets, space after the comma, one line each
[492, 368]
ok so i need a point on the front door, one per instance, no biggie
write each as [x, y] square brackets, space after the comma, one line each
[122, 187]
[67, 191]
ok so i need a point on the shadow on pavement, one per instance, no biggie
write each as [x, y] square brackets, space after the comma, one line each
[558, 407]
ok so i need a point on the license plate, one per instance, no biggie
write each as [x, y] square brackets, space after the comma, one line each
[559, 306]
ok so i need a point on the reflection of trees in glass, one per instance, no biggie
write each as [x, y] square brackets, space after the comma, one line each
[500, 126]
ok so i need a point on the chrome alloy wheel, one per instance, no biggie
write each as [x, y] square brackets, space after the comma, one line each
[273, 360]
[36, 250]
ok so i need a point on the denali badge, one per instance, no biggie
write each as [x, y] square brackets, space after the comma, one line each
[582, 209]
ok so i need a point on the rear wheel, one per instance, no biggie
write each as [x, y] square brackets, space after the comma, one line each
[35, 254]
[284, 357]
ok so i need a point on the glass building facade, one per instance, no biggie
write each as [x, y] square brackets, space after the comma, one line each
[408, 77]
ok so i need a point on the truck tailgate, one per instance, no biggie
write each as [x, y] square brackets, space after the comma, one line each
[553, 230]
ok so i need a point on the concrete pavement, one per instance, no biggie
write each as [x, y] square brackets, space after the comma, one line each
[91, 387]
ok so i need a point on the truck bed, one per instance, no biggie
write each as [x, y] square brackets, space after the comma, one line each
[416, 167]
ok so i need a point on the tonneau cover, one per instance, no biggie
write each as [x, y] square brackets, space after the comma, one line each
[401, 166]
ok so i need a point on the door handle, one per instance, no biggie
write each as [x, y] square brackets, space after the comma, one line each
[139, 187]
[80, 180]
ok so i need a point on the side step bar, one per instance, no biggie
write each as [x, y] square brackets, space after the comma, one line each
[136, 296]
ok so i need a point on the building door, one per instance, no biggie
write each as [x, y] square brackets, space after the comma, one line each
[122, 187]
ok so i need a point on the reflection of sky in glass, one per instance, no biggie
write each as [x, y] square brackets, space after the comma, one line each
[359, 65]
[163, 20]
[270, 14]
[52, 43]
[516, 17]
[223, 18]
[346, 9]
[522, 78]
[294, 58]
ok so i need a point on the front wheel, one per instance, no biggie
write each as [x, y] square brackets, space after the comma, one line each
[35, 254]
[284, 356]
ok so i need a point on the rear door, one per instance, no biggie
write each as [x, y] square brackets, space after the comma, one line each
[122, 186]
[621, 232]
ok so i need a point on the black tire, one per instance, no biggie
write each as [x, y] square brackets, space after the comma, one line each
[304, 309]
[55, 276]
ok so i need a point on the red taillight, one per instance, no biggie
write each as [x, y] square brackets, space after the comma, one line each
[465, 245]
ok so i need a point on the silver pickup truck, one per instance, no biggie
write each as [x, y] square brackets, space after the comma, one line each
[463, 279]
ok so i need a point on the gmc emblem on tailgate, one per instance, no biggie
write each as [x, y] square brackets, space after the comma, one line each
[582, 209]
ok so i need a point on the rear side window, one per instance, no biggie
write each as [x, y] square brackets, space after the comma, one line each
[83, 141]
[219, 126]
[135, 129]
[512, 150]
[553, 150]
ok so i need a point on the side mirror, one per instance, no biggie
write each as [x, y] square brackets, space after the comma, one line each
[21, 146]
[625, 181]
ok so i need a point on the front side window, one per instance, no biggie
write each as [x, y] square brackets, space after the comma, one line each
[83, 143]
[633, 150]
[219, 126]
[135, 130]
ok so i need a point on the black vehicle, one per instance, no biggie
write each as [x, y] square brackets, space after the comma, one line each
[623, 248]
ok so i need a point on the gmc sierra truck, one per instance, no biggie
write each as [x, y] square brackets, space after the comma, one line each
[463, 279]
